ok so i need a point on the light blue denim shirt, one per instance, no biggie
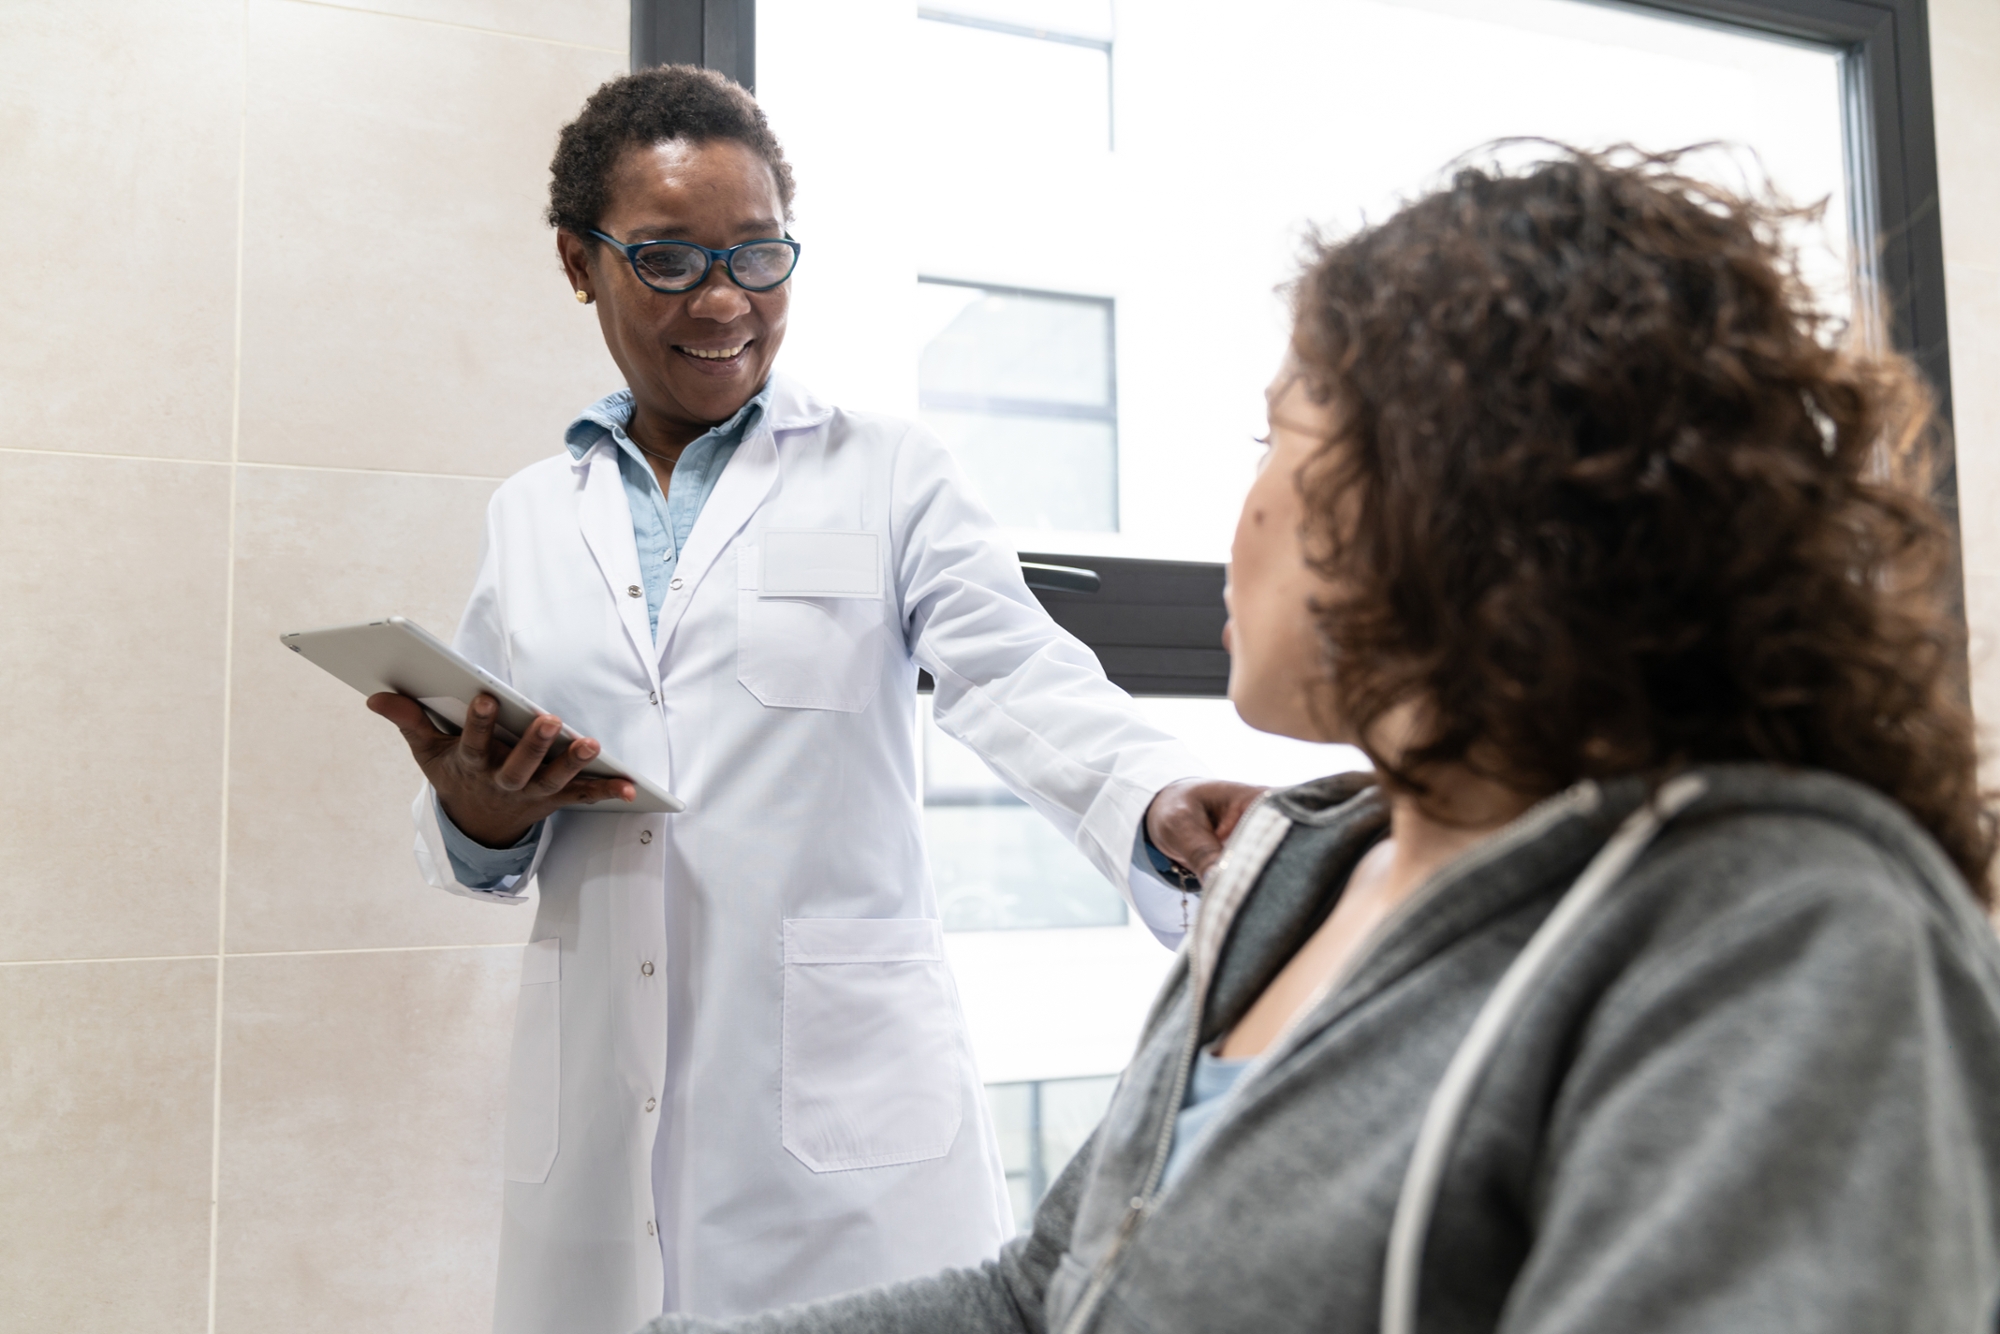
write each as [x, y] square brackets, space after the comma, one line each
[660, 527]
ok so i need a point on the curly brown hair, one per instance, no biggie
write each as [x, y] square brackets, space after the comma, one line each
[652, 106]
[1610, 495]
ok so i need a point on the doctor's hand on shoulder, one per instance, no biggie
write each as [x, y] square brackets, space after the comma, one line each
[495, 792]
[1190, 820]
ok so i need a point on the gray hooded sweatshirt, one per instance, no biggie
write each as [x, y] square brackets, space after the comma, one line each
[1760, 1090]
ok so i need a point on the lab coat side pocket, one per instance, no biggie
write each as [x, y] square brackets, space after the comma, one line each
[809, 637]
[871, 1073]
[534, 1076]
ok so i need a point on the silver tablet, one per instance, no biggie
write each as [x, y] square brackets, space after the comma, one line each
[402, 657]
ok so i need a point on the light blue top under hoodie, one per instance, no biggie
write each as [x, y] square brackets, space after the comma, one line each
[1208, 1085]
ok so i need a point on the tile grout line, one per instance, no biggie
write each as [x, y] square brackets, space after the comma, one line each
[259, 954]
[462, 27]
[375, 472]
[252, 463]
[370, 949]
[228, 669]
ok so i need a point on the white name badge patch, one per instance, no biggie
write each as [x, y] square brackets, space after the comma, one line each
[820, 563]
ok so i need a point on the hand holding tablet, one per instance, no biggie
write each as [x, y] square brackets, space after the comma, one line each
[499, 763]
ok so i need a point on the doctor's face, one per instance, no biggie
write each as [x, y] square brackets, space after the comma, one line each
[691, 358]
[1276, 662]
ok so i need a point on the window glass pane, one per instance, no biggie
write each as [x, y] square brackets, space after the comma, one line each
[1019, 347]
[1071, 1109]
[1057, 93]
[1019, 385]
[1076, 18]
[1335, 110]
[1013, 1108]
[1041, 1125]
[1004, 868]
[997, 865]
[1035, 473]
[1014, 1123]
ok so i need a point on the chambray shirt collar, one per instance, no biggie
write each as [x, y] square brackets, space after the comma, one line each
[609, 416]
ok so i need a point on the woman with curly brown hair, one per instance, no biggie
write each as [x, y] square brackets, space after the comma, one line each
[1646, 985]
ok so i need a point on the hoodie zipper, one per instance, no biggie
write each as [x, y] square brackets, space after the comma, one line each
[1580, 799]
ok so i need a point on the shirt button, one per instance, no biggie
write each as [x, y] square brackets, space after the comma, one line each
[645, 836]
[646, 968]
[652, 697]
[674, 582]
[649, 1227]
[633, 590]
[651, 1104]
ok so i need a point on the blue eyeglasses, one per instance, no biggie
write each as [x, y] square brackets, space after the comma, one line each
[682, 266]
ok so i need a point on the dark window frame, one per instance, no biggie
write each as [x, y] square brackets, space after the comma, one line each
[716, 34]
[1155, 624]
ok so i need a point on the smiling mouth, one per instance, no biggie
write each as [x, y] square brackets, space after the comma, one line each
[714, 353]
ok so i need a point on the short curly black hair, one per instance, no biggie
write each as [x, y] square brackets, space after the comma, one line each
[652, 106]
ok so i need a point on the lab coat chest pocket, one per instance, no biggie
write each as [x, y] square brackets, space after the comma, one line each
[810, 632]
[533, 1077]
[871, 1073]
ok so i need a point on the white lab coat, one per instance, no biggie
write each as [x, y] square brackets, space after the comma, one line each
[763, 974]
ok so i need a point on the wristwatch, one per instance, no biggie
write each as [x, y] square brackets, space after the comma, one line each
[1169, 870]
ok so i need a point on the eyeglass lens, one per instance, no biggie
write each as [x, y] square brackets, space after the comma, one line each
[674, 268]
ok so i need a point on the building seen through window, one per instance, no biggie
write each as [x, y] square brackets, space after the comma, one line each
[1020, 385]
[997, 864]
[1041, 1124]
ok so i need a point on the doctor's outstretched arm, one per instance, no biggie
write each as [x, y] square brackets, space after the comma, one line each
[1033, 702]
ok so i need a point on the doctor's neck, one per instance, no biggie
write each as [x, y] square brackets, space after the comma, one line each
[661, 437]
[663, 434]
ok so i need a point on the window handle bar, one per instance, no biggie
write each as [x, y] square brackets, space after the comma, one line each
[1060, 578]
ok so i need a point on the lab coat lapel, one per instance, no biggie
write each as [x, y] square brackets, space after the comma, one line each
[745, 484]
[606, 521]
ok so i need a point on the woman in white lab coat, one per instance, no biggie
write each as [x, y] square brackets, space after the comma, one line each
[740, 1074]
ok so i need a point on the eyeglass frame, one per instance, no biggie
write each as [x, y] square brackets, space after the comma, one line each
[709, 256]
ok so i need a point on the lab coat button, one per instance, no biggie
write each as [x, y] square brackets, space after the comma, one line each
[652, 697]
[647, 968]
[645, 836]
[649, 1227]
[633, 590]
[651, 1103]
[674, 583]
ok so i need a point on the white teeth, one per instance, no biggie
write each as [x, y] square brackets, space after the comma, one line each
[715, 354]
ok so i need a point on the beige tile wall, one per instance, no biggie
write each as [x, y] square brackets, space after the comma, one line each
[282, 313]
[1965, 68]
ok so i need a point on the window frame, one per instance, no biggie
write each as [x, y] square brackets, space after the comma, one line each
[716, 34]
[1155, 625]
